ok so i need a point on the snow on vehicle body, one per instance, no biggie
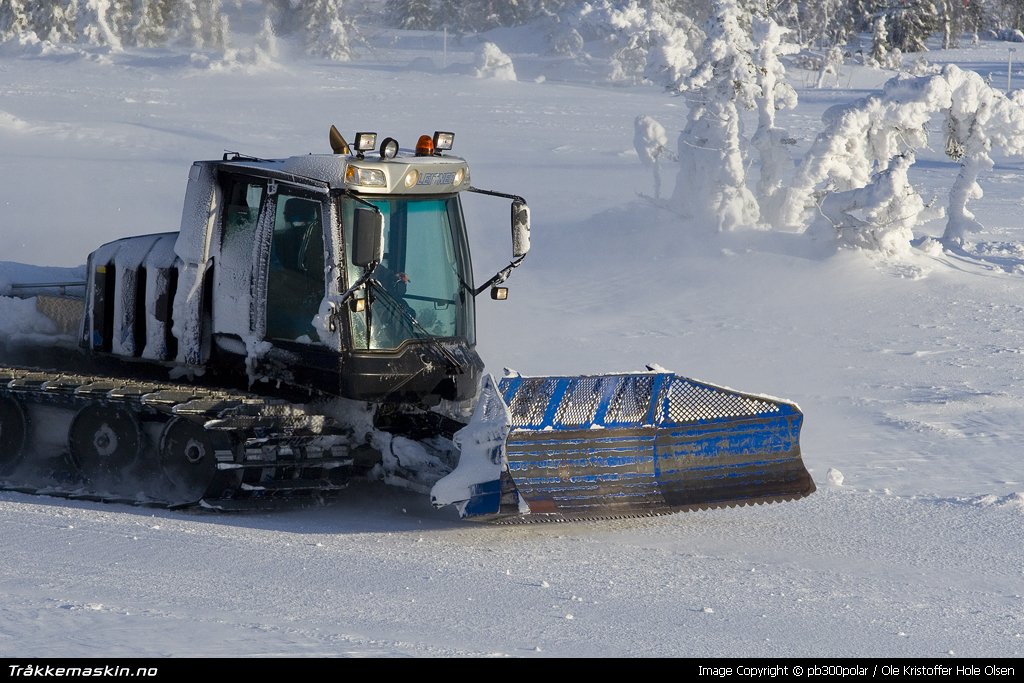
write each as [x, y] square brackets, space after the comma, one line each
[258, 279]
[322, 308]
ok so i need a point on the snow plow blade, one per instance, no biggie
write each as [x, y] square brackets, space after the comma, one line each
[597, 447]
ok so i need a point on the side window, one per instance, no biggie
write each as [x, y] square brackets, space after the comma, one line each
[295, 280]
[298, 242]
[242, 200]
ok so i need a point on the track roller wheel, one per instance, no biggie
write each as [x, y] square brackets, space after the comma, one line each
[188, 459]
[104, 441]
[13, 434]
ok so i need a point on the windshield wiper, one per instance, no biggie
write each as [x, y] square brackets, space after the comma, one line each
[402, 310]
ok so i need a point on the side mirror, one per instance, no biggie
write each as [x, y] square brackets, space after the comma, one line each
[520, 229]
[367, 237]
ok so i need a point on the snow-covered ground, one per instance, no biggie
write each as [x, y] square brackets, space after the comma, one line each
[909, 372]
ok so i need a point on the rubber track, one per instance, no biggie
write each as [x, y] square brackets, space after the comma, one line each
[258, 422]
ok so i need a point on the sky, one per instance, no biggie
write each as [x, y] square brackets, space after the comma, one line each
[907, 368]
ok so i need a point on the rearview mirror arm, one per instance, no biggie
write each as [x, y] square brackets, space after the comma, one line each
[499, 277]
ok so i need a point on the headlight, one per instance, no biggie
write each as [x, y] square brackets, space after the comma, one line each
[411, 178]
[365, 177]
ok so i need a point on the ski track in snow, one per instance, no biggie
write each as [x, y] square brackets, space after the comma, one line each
[380, 574]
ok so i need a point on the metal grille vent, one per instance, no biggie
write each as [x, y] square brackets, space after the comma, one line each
[690, 402]
[531, 399]
[579, 404]
[631, 400]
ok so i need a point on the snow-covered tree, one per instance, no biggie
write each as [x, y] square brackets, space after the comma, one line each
[911, 22]
[14, 18]
[186, 24]
[861, 138]
[487, 14]
[410, 14]
[976, 117]
[266, 41]
[863, 13]
[151, 20]
[975, 17]
[880, 47]
[94, 23]
[491, 62]
[656, 42]
[215, 24]
[827, 22]
[566, 40]
[952, 24]
[651, 143]
[865, 137]
[879, 216]
[776, 94]
[328, 32]
[711, 184]
[451, 15]
[119, 17]
[199, 24]
[830, 65]
[569, 30]
[56, 21]
[1008, 14]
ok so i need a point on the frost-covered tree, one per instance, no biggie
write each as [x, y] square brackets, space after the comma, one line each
[863, 13]
[56, 21]
[978, 117]
[119, 17]
[830, 65]
[952, 26]
[910, 23]
[656, 42]
[411, 14]
[651, 143]
[266, 41]
[491, 62]
[94, 23]
[827, 22]
[1008, 14]
[14, 18]
[200, 24]
[215, 24]
[502, 12]
[451, 15]
[775, 94]
[152, 18]
[880, 47]
[186, 24]
[711, 185]
[976, 17]
[879, 216]
[328, 32]
[863, 138]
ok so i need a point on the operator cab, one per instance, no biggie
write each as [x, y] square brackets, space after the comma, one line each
[398, 326]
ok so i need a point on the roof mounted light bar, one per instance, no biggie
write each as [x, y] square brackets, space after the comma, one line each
[364, 142]
[443, 140]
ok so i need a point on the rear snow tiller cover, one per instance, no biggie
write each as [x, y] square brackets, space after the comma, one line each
[647, 443]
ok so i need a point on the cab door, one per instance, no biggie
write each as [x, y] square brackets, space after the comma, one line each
[242, 200]
[269, 268]
[295, 266]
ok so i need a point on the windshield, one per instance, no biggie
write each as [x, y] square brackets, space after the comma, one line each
[423, 286]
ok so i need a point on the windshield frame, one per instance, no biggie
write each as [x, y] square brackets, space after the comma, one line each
[376, 295]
